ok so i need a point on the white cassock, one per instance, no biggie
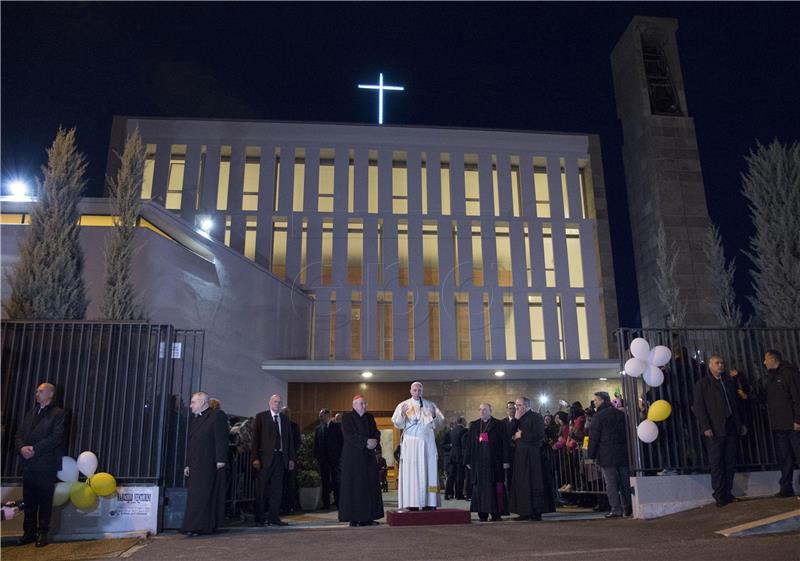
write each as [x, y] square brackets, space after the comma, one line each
[418, 484]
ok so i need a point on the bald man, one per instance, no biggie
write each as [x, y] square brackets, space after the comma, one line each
[273, 456]
[39, 441]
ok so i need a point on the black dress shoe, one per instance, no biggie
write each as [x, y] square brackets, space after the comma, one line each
[521, 517]
[41, 540]
[720, 503]
[536, 517]
[278, 523]
[354, 524]
[496, 518]
[613, 515]
[26, 539]
[784, 494]
[429, 508]
[628, 511]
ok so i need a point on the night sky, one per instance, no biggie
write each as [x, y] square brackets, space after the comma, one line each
[531, 66]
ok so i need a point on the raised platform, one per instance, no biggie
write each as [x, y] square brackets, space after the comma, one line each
[427, 517]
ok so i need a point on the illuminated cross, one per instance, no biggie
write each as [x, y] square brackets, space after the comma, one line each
[380, 87]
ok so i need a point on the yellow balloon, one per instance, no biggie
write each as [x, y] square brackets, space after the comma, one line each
[82, 495]
[659, 411]
[103, 484]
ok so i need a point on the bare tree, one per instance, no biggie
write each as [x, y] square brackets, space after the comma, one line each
[47, 281]
[669, 293]
[119, 298]
[721, 275]
[772, 188]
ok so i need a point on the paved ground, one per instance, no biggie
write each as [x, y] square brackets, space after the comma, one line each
[683, 536]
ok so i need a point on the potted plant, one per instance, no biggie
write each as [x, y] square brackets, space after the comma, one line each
[310, 489]
[308, 479]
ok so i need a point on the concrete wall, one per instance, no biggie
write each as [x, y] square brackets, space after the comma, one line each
[248, 315]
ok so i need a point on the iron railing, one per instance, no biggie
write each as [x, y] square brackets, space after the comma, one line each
[115, 381]
[679, 445]
[574, 472]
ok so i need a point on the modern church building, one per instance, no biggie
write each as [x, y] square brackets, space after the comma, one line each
[447, 255]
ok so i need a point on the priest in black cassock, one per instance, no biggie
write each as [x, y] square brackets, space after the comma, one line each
[531, 487]
[206, 454]
[360, 500]
[487, 457]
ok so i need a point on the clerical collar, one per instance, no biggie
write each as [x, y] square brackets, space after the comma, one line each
[199, 414]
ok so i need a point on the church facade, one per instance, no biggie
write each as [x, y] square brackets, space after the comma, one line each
[450, 255]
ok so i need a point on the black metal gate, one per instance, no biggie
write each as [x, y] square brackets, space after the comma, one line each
[126, 388]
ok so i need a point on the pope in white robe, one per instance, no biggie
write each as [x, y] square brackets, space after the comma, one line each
[418, 482]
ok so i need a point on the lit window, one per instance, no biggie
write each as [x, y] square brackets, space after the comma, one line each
[149, 169]
[299, 179]
[515, 191]
[462, 326]
[351, 182]
[430, 254]
[477, 255]
[541, 192]
[327, 250]
[201, 175]
[410, 318]
[487, 328]
[582, 184]
[536, 317]
[560, 314]
[177, 164]
[495, 187]
[424, 180]
[583, 326]
[549, 262]
[399, 183]
[402, 253]
[564, 193]
[355, 326]
[472, 192]
[326, 169]
[304, 252]
[380, 251]
[251, 225]
[385, 319]
[503, 255]
[528, 270]
[252, 169]
[372, 182]
[224, 177]
[434, 347]
[444, 174]
[227, 239]
[276, 180]
[574, 258]
[278, 261]
[454, 234]
[332, 328]
[508, 321]
[355, 250]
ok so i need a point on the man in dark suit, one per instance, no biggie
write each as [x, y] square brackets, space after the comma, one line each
[511, 410]
[39, 441]
[608, 445]
[456, 469]
[273, 456]
[717, 412]
[328, 443]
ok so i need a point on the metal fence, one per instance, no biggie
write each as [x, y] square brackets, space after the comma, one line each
[574, 472]
[118, 385]
[679, 444]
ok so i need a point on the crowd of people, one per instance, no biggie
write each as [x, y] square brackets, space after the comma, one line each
[500, 465]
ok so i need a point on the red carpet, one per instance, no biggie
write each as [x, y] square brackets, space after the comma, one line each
[427, 517]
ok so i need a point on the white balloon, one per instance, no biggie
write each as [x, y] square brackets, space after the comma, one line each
[87, 463]
[61, 494]
[69, 470]
[640, 349]
[635, 367]
[653, 376]
[647, 431]
[660, 355]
